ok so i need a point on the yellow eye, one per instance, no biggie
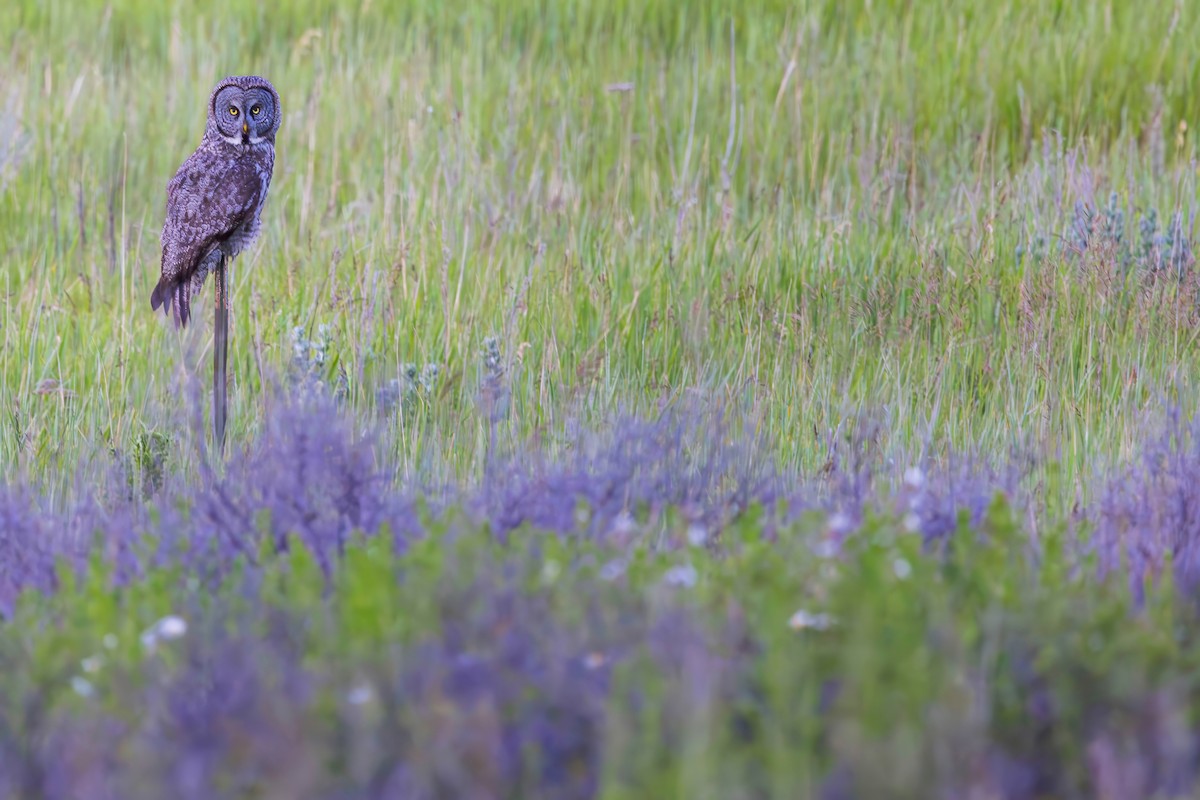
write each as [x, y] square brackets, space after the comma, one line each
[233, 112]
[254, 111]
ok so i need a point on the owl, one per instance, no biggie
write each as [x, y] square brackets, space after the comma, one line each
[216, 198]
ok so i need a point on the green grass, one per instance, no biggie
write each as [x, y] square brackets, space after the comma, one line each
[816, 215]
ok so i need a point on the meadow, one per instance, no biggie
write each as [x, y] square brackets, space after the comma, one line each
[673, 399]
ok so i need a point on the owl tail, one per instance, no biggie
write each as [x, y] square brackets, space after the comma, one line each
[173, 297]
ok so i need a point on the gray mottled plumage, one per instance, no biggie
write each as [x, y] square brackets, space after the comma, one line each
[215, 200]
[214, 210]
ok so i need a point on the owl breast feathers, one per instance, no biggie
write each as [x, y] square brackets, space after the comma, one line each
[215, 200]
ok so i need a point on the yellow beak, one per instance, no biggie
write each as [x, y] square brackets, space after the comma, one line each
[245, 127]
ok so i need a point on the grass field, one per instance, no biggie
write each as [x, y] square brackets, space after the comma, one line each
[730, 400]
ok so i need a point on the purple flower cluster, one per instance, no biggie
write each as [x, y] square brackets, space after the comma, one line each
[928, 494]
[28, 545]
[506, 699]
[507, 694]
[687, 457]
[307, 477]
[1148, 515]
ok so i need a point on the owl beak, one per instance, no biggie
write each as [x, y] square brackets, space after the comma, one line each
[245, 128]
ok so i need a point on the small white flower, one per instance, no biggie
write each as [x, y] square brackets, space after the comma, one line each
[623, 523]
[429, 109]
[697, 534]
[168, 628]
[612, 570]
[840, 523]
[914, 477]
[912, 523]
[902, 568]
[803, 619]
[551, 571]
[171, 627]
[110, 641]
[359, 695]
[825, 548]
[682, 575]
[81, 686]
[92, 664]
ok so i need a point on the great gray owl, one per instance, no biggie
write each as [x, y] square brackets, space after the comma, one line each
[214, 208]
[215, 200]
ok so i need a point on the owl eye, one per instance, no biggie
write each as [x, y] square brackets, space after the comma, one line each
[254, 111]
[233, 112]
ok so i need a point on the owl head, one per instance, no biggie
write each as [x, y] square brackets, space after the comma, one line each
[244, 110]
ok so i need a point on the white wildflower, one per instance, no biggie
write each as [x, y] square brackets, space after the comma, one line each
[682, 575]
[359, 695]
[825, 548]
[623, 523]
[171, 627]
[840, 523]
[550, 571]
[612, 570]
[697, 534]
[912, 522]
[110, 641]
[92, 664]
[168, 628]
[803, 619]
[81, 686]
[902, 568]
[914, 477]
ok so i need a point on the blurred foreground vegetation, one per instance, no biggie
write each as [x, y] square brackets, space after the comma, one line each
[936, 267]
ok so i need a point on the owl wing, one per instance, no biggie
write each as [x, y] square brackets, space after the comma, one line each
[207, 200]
